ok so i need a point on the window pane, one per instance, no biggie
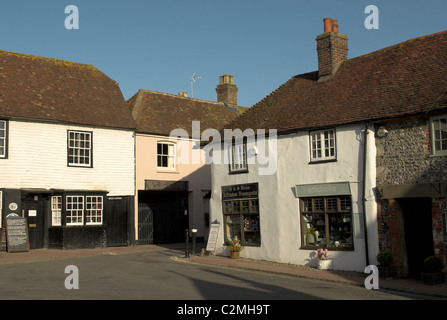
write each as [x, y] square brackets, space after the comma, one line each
[340, 230]
[331, 204]
[319, 204]
[252, 235]
[233, 226]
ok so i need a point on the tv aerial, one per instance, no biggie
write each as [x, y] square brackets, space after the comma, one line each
[193, 80]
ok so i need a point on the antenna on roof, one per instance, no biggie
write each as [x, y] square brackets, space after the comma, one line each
[193, 80]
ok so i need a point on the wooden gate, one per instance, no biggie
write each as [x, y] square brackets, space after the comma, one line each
[145, 224]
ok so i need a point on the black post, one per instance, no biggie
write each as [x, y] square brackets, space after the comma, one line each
[186, 243]
[194, 231]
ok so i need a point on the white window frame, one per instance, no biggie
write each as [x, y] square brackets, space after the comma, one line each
[170, 155]
[94, 206]
[238, 158]
[437, 139]
[79, 148]
[74, 210]
[323, 145]
[56, 210]
[3, 138]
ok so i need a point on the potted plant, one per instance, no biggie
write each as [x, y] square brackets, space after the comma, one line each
[323, 262]
[433, 271]
[310, 236]
[235, 247]
[385, 259]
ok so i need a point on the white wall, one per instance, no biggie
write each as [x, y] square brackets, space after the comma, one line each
[279, 209]
[37, 158]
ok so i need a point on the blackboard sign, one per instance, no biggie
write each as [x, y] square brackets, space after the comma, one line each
[17, 239]
[212, 238]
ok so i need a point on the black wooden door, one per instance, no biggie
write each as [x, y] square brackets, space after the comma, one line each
[116, 221]
[34, 211]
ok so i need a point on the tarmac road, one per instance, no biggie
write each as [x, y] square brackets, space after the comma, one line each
[166, 275]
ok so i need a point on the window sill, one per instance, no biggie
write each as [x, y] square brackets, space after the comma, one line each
[329, 248]
[173, 171]
[322, 161]
[238, 172]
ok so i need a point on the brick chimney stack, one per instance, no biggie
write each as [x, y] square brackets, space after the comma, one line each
[332, 48]
[227, 90]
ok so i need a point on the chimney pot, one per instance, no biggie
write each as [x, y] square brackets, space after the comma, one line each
[327, 25]
[183, 94]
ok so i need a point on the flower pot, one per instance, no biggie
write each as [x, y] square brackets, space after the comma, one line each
[234, 255]
[432, 278]
[324, 264]
[385, 272]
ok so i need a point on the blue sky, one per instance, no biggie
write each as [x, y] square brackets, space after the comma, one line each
[158, 44]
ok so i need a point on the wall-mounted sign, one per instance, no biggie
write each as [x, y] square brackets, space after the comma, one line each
[13, 206]
[322, 189]
[32, 213]
[240, 191]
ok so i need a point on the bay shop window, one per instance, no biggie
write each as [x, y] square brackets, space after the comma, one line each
[241, 214]
[77, 210]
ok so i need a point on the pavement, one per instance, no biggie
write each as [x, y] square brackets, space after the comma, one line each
[347, 277]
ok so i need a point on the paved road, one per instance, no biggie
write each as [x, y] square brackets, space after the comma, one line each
[165, 275]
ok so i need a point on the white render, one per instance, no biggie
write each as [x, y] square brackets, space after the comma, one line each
[37, 159]
[279, 207]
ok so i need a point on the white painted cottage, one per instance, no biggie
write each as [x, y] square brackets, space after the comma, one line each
[67, 159]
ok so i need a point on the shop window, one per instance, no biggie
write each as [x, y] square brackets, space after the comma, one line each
[326, 222]
[56, 210]
[93, 207]
[241, 218]
[74, 210]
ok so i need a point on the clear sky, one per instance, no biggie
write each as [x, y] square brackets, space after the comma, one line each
[159, 44]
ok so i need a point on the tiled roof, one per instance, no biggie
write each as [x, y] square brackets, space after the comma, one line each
[47, 89]
[160, 113]
[405, 79]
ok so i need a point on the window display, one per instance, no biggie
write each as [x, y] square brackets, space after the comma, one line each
[326, 222]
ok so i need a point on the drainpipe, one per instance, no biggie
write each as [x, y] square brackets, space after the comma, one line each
[365, 146]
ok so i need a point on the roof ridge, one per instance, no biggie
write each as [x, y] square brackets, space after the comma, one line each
[55, 61]
[398, 45]
[180, 97]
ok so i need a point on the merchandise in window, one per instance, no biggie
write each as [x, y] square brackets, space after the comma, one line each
[326, 222]
[241, 219]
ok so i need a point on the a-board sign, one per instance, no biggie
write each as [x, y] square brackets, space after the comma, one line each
[212, 238]
[17, 238]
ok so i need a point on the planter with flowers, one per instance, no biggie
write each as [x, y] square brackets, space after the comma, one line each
[323, 262]
[235, 247]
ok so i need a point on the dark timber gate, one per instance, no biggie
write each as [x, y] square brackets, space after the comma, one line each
[145, 224]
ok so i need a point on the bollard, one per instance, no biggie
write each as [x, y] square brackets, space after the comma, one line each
[194, 231]
[186, 243]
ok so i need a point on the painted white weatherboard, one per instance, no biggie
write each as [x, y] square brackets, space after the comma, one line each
[37, 158]
[279, 207]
